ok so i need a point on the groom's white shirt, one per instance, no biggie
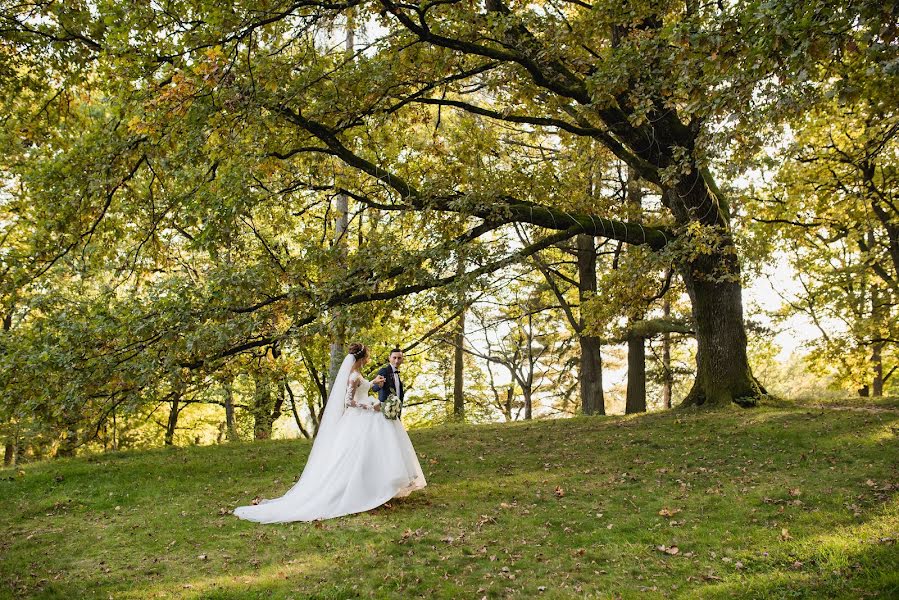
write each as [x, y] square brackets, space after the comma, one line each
[396, 380]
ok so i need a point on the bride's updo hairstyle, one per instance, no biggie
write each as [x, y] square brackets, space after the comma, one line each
[358, 350]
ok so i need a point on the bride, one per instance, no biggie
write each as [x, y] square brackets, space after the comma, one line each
[359, 459]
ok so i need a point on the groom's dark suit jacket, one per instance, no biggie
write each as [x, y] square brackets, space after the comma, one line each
[389, 386]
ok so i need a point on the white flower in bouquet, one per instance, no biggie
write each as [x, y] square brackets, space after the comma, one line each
[390, 408]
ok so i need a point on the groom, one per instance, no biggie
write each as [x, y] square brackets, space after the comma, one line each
[392, 381]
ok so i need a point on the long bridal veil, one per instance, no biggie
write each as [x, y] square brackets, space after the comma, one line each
[303, 502]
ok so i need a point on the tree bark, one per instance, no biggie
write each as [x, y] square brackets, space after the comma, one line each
[9, 454]
[590, 366]
[635, 401]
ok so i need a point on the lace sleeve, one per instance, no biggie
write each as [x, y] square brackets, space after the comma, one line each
[352, 384]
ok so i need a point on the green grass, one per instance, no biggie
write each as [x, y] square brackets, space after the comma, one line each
[782, 501]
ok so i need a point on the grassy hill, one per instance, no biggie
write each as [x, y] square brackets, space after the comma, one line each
[783, 501]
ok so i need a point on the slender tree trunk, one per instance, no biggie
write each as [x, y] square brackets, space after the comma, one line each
[459, 369]
[879, 314]
[877, 361]
[528, 412]
[667, 379]
[527, 388]
[173, 421]
[231, 430]
[590, 366]
[296, 413]
[69, 443]
[262, 400]
[636, 375]
[9, 449]
[341, 221]
[115, 431]
[338, 331]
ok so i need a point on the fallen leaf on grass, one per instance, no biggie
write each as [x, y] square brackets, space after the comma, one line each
[672, 550]
[484, 519]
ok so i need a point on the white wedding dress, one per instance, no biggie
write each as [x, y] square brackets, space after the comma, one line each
[359, 460]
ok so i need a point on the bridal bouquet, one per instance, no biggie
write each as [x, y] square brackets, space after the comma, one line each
[390, 408]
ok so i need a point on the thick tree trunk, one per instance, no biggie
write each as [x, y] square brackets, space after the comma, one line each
[635, 397]
[712, 279]
[636, 375]
[722, 367]
[459, 369]
[590, 367]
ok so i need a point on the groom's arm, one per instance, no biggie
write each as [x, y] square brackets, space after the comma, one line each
[376, 387]
[381, 389]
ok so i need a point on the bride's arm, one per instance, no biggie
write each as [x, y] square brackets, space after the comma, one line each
[351, 385]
